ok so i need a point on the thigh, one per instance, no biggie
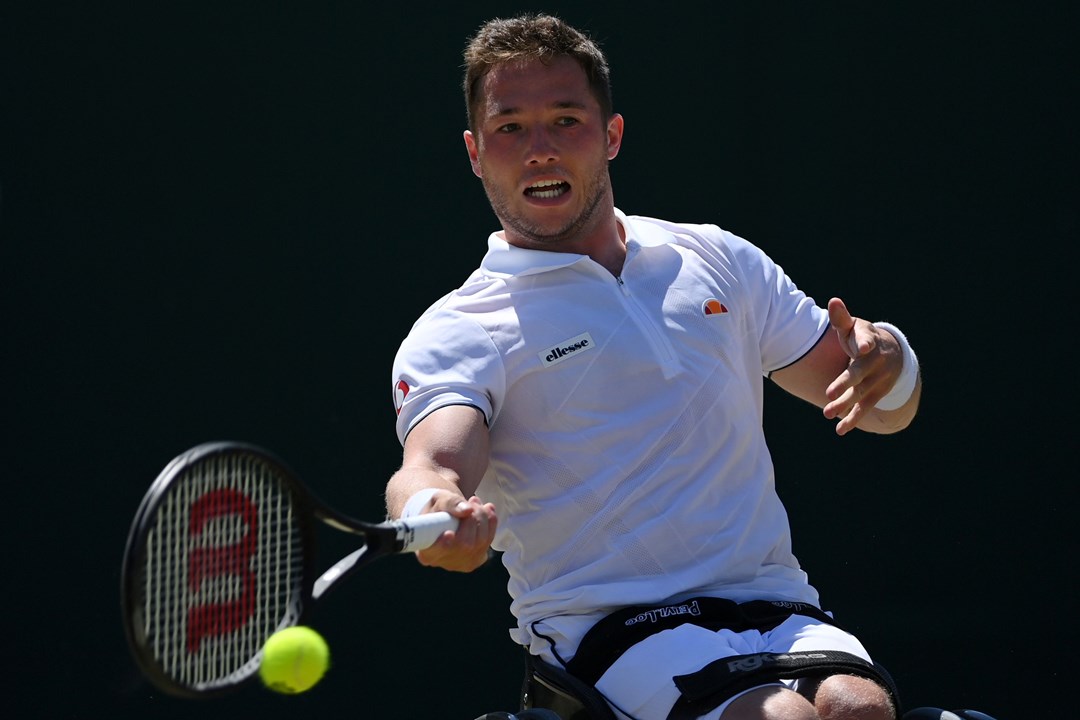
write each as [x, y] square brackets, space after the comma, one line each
[803, 634]
[640, 685]
[768, 702]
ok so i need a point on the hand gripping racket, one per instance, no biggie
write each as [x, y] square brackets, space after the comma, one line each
[221, 555]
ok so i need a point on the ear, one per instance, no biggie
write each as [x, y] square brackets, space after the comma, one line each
[614, 135]
[474, 153]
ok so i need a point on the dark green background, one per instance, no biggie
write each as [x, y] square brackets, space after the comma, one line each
[219, 219]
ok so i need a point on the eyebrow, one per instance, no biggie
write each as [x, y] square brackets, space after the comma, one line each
[560, 105]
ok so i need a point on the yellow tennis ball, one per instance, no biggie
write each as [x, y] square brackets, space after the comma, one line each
[293, 660]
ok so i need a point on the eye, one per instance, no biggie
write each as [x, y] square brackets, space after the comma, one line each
[508, 128]
[566, 121]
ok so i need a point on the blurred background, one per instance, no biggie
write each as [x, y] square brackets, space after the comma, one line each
[217, 221]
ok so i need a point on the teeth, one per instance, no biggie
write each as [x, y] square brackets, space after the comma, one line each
[555, 188]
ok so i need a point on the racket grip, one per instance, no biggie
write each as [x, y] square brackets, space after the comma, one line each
[421, 531]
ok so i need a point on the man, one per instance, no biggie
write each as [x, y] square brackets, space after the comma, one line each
[589, 403]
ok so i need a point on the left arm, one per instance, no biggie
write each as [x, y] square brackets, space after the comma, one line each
[849, 371]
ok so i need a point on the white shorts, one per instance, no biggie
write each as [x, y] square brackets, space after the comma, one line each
[639, 684]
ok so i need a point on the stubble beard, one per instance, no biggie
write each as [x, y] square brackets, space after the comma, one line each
[544, 239]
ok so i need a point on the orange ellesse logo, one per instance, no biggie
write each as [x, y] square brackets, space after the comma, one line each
[712, 306]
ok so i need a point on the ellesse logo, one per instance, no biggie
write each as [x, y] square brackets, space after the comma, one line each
[566, 349]
[401, 389]
[712, 306]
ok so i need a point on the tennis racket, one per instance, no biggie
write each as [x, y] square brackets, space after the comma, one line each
[221, 555]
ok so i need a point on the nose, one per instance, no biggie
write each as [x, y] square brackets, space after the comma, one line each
[541, 148]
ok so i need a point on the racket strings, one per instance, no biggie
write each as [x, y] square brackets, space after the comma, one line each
[224, 564]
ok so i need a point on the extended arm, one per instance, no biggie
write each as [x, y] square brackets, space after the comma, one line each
[853, 366]
[445, 457]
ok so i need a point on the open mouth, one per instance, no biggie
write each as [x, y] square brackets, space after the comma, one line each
[547, 189]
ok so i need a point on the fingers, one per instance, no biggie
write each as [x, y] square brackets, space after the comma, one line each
[853, 400]
[844, 325]
[849, 407]
[464, 549]
[868, 375]
[855, 337]
[477, 523]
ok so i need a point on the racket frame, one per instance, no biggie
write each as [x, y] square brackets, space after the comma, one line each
[379, 540]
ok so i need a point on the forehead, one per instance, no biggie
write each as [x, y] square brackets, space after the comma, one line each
[533, 84]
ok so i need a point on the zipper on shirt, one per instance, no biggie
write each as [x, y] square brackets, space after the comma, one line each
[661, 347]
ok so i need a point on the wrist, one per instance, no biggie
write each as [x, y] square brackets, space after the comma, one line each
[909, 374]
[417, 502]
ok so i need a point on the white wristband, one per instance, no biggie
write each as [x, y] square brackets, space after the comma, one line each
[416, 503]
[905, 384]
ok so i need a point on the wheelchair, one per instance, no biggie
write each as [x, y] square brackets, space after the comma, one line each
[549, 692]
[924, 713]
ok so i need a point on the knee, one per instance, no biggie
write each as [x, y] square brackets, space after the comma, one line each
[770, 703]
[846, 697]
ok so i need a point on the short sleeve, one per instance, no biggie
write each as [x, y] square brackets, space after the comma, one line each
[789, 322]
[447, 359]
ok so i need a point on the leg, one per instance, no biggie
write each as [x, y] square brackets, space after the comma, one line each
[846, 697]
[770, 703]
[932, 713]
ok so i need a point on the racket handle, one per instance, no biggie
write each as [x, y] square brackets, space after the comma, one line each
[421, 531]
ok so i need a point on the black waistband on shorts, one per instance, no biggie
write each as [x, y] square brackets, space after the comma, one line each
[608, 639]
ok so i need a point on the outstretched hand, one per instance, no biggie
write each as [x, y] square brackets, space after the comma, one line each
[875, 362]
[464, 549]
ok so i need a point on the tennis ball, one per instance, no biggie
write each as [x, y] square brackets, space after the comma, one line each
[293, 660]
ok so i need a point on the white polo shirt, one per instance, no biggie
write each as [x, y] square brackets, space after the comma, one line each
[628, 462]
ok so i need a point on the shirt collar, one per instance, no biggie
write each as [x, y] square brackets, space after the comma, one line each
[502, 258]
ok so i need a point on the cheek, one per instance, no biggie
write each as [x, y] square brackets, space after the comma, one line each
[494, 159]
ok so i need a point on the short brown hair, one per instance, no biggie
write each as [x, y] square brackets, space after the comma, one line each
[532, 36]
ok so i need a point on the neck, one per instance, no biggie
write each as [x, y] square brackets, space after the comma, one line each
[603, 240]
[609, 249]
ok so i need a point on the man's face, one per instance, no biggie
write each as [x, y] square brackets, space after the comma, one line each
[542, 150]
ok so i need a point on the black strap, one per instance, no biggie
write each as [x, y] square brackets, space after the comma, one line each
[618, 632]
[705, 689]
[551, 687]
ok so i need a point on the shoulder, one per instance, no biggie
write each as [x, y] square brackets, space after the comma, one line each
[478, 294]
[685, 233]
[445, 325]
[706, 239]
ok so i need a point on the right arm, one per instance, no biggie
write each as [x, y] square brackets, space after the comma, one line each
[448, 451]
